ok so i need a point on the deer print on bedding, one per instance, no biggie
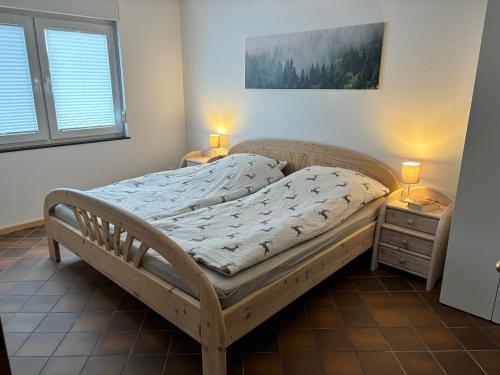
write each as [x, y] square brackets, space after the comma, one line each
[157, 196]
[252, 229]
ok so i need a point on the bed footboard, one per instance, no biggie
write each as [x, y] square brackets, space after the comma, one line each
[106, 225]
[102, 227]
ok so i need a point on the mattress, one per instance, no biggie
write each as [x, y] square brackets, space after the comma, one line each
[234, 288]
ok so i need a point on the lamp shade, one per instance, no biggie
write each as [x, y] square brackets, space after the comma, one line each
[410, 172]
[214, 140]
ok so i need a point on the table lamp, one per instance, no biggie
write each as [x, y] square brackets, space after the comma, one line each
[214, 143]
[410, 175]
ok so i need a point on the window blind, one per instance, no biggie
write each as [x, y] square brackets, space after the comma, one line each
[17, 106]
[80, 79]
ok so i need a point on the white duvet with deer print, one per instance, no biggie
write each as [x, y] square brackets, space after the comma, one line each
[233, 236]
[157, 196]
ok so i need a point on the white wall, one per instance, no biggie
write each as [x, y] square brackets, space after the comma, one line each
[152, 63]
[420, 112]
[105, 9]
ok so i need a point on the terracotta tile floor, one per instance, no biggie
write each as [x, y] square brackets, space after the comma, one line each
[68, 319]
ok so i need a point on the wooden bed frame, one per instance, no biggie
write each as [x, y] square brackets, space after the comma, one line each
[98, 243]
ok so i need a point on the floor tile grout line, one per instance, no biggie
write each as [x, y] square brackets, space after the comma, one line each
[139, 330]
[31, 231]
[399, 309]
[476, 362]
[19, 258]
[399, 362]
[487, 333]
[356, 353]
[306, 308]
[437, 361]
[21, 345]
[103, 332]
[164, 369]
[385, 289]
[9, 266]
[445, 327]
[84, 364]
[69, 330]
[414, 290]
[40, 239]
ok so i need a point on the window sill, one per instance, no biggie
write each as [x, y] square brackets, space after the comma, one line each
[61, 144]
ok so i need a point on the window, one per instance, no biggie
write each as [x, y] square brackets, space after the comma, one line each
[59, 81]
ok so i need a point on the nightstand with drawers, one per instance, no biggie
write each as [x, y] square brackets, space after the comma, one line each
[199, 157]
[414, 241]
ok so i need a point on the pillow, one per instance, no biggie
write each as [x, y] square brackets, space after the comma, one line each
[260, 159]
[249, 172]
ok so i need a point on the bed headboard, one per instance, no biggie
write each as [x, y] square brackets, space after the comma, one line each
[301, 154]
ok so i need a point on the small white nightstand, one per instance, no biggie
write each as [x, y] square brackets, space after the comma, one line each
[198, 157]
[414, 241]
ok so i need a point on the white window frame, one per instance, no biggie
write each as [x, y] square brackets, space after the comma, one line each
[92, 28]
[34, 24]
[30, 40]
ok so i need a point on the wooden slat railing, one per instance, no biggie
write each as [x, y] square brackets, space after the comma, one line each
[108, 225]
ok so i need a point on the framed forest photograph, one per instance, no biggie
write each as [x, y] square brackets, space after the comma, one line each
[339, 58]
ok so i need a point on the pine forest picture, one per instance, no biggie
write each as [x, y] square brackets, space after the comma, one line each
[340, 58]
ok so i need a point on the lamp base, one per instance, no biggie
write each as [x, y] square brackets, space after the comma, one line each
[405, 194]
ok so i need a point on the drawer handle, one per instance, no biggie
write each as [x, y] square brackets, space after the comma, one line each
[410, 221]
[402, 261]
[404, 242]
[497, 266]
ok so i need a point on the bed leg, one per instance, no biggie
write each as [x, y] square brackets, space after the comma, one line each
[212, 330]
[214, 360]
[55, 253]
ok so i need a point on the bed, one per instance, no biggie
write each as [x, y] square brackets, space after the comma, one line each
[213, 309]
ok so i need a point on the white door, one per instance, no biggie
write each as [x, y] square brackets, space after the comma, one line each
[470, 280]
